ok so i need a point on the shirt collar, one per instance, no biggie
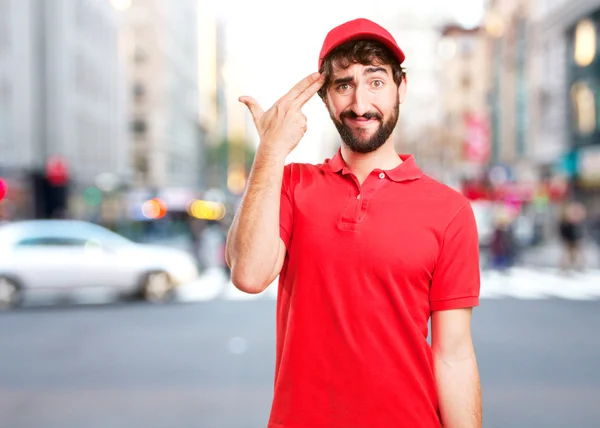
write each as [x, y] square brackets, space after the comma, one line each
[407, 170]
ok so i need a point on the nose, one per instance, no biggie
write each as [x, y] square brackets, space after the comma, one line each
[360, 103]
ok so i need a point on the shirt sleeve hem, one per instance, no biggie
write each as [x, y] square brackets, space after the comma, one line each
[456, 303]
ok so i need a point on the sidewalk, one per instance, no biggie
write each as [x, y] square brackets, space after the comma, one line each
[549, 255]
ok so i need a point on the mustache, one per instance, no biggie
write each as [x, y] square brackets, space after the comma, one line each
[369, 115]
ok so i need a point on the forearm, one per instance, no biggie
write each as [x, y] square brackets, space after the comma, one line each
[459, 390]
[253, 240]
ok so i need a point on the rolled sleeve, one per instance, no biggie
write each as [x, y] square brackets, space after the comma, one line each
[456, 280]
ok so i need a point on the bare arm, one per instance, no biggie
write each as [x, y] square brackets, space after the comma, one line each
[254, 251]
[456, 372]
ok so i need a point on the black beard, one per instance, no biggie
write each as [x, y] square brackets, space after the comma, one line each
[378, 139]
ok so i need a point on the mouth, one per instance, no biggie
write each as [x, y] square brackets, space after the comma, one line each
[361, 121]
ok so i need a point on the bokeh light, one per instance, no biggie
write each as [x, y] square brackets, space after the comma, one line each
[236, 179]
[154, 209]
[585, 43]
[207, 210]
[92, 196]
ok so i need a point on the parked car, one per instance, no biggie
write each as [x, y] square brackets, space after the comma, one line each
[65, 256]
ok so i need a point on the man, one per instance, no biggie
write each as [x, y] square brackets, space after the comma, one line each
[571, 234]
[367, 248]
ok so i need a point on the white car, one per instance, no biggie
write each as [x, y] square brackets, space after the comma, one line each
[65, 256]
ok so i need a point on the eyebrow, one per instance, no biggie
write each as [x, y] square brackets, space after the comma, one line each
[371, 70]
[368, 70]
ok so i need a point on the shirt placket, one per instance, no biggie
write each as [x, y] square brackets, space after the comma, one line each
[359, 198]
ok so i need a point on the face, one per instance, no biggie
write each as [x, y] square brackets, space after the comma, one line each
[364, 103]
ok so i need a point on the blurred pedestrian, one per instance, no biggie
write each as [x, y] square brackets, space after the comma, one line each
[367, 249]
[502, 245]
[571, 234]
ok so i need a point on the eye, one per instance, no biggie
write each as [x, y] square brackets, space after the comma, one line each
[377, 83]
[343, 87]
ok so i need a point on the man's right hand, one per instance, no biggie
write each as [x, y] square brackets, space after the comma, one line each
[282, 126]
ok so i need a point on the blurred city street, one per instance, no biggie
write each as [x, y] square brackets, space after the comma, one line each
[209, 363]
[125, 154]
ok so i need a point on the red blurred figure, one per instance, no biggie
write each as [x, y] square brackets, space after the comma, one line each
[3, 189]
[57, 171]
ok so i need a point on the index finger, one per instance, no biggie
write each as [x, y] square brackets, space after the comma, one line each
[301, 86]
[308, 93]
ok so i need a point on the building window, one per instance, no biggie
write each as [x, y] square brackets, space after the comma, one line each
[447, 48]
[141, 164]
[139, 90]
[585, 43]
[465, 82]
[466, 46]
[139, 55]
[139, 126]
[584, 108]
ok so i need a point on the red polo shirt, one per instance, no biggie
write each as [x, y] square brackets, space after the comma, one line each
[366, 264]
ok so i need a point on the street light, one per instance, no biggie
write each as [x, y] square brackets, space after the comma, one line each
[121, 5]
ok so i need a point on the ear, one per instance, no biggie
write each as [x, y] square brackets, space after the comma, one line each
[402, 90]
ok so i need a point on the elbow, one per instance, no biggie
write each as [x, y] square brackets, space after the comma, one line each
[454, 355]
[248, 283]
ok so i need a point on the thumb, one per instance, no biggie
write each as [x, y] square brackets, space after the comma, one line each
[255, 110]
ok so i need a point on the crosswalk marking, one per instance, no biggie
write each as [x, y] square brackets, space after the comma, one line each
[519, 283]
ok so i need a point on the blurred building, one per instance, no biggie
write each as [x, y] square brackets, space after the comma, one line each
[160, 40]
[509, 25]
[565, 85]
[465, 82]
[230, 139]
[544, 100]
[209, 32]
[571, 28]
[421, 129]
[60, 95]
[549, 108]
[418, 124]
[520, 155]
[235, 118]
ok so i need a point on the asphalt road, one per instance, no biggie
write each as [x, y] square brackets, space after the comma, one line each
[210, 364]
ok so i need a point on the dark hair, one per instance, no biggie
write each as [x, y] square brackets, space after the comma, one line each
[365, 52]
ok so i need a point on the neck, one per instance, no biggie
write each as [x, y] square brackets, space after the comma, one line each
[361, 164]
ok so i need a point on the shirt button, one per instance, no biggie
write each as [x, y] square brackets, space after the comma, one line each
[382, 175]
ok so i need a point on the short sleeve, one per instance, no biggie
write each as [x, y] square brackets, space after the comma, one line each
[456, 277]
[286, 208]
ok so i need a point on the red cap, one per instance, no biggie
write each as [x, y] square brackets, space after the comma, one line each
[359, 29]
